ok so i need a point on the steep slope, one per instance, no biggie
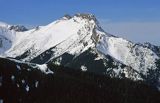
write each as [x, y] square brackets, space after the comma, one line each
[135, 55]
[40, 39]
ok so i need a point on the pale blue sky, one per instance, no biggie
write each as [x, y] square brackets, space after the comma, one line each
[137, 20]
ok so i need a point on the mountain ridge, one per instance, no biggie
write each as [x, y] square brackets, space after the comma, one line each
[80, 41]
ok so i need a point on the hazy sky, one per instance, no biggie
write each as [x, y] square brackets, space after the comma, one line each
[137, 20]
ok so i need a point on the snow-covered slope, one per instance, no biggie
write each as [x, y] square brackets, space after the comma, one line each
[137, 56]
[40, 39]
[2, 24]
[76, 38]
[6, 37]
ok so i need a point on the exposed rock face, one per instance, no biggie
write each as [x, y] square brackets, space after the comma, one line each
[67, 16]
[18, 28]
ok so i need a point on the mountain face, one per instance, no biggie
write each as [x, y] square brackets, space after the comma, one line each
[79, 42]
[8, 36]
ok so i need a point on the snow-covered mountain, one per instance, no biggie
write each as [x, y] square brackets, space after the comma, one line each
[79, 42]
[8, 35]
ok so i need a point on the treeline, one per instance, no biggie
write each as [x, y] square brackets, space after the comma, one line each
[68, 86]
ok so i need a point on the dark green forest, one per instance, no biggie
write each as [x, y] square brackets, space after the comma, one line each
[68, 85]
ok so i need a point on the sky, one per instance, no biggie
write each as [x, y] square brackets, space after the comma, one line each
[135, 20]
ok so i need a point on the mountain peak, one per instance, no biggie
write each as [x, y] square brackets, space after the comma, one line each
[81, 15]
[86, 16]
[67, 16]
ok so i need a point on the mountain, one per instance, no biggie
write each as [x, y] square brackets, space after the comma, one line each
[28, 83]
[8, 36]
[79, 42]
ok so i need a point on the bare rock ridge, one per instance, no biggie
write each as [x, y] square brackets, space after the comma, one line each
[18, 28]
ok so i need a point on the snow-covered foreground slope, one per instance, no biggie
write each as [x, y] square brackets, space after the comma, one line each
[73, 40]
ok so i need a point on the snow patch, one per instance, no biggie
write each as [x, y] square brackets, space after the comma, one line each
[1, 100]
[83, 68]
[18, 85]
[99, 57]
[44, 69]
[13, 77]
[23, 81]
[36, 84]
[18, 67]
[27, 88]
